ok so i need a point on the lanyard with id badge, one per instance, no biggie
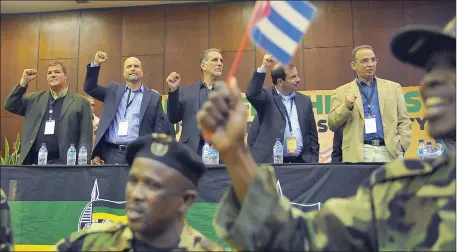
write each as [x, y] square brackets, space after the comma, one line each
[370, 120]
[50, 124]
[291, 141]
[124, 124]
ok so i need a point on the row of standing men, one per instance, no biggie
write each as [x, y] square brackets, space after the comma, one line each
[369, 113]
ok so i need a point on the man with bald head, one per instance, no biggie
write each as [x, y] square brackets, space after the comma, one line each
[130, 110]
[282, 113]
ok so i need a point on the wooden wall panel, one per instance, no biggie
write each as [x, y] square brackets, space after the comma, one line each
[244, 70]
[10, 127]
[19, 50]
[186, 37]
[100, 31]
[59, 34]
[327, 68]
[332, 25]
[375, 22]
[228, 23]
[72, 73]
[143, 31]
[152, 70]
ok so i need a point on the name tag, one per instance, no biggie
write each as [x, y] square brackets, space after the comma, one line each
[49, 127]
[291, 144]
[370, 125]
[123, 128]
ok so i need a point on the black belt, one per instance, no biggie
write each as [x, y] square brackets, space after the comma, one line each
[376, 142]
[121, 147]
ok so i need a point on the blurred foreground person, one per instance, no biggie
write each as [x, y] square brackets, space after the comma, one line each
[6, 233]
[160, 189]
[405, 205]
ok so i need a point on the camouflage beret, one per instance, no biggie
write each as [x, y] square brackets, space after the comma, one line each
[165, 149]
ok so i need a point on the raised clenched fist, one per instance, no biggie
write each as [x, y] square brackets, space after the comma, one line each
[268, 62]
[100, 58]
[27, 76]
[350, 100]
[173, 81]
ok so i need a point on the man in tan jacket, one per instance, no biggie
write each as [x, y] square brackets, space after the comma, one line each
[372, 113]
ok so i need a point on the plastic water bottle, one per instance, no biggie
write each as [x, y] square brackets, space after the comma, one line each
[430, 152]
[421, 150]
[43, 155]
[439, 148]
[206, 153]
[82, 155]
[278, 152]
[71, 155]
[214, 155]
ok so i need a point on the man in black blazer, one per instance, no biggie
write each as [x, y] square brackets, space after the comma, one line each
[337, 153]
[129, 111]
[57, 117]
[282, 113]
[184, 102]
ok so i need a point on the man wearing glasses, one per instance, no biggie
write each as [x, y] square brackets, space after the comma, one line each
[372, 113]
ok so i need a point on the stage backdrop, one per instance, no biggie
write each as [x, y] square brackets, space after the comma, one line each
[321, 103]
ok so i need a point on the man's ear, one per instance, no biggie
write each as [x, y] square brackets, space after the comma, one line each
[353, 65]
[189, 197]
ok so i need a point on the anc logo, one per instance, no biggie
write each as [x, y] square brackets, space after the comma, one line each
[101, 210]
[302, 207]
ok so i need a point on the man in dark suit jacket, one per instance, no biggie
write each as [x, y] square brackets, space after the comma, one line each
[282, 113]
[129, 111]
[57, 117]
[337, 153]
[184, 102]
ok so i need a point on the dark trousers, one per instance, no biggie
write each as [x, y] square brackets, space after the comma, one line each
[292, 160]
[113, 154]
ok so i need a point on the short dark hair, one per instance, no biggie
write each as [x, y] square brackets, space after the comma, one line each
[279, 72]
[355, 50]
[55, 63]
[204, 55]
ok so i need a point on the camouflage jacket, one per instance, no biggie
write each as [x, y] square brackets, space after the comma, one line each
[6, 233]
[119, 237]
[405, 205]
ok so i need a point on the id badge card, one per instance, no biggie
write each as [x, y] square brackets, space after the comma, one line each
[370, 125]
[49, 127]
[291, 144]
[123, 128]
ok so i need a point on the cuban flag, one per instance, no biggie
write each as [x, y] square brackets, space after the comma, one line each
[278, 26]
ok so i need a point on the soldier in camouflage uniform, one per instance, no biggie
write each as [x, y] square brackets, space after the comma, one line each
[6, 234]
[405, 205]
[160, 189]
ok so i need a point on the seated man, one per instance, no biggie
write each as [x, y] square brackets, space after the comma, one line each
[405, 205]
[160, 189]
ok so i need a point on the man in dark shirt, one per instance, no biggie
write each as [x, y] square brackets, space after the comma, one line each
[57, 117]
[184, 102]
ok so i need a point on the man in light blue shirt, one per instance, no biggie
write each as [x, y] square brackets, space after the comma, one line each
[130, 111]
[282, 113]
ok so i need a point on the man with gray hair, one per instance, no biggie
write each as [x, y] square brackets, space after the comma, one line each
[184, 102]
[371, 112]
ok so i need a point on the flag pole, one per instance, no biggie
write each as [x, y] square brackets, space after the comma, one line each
[236, 61]
[239, 55]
